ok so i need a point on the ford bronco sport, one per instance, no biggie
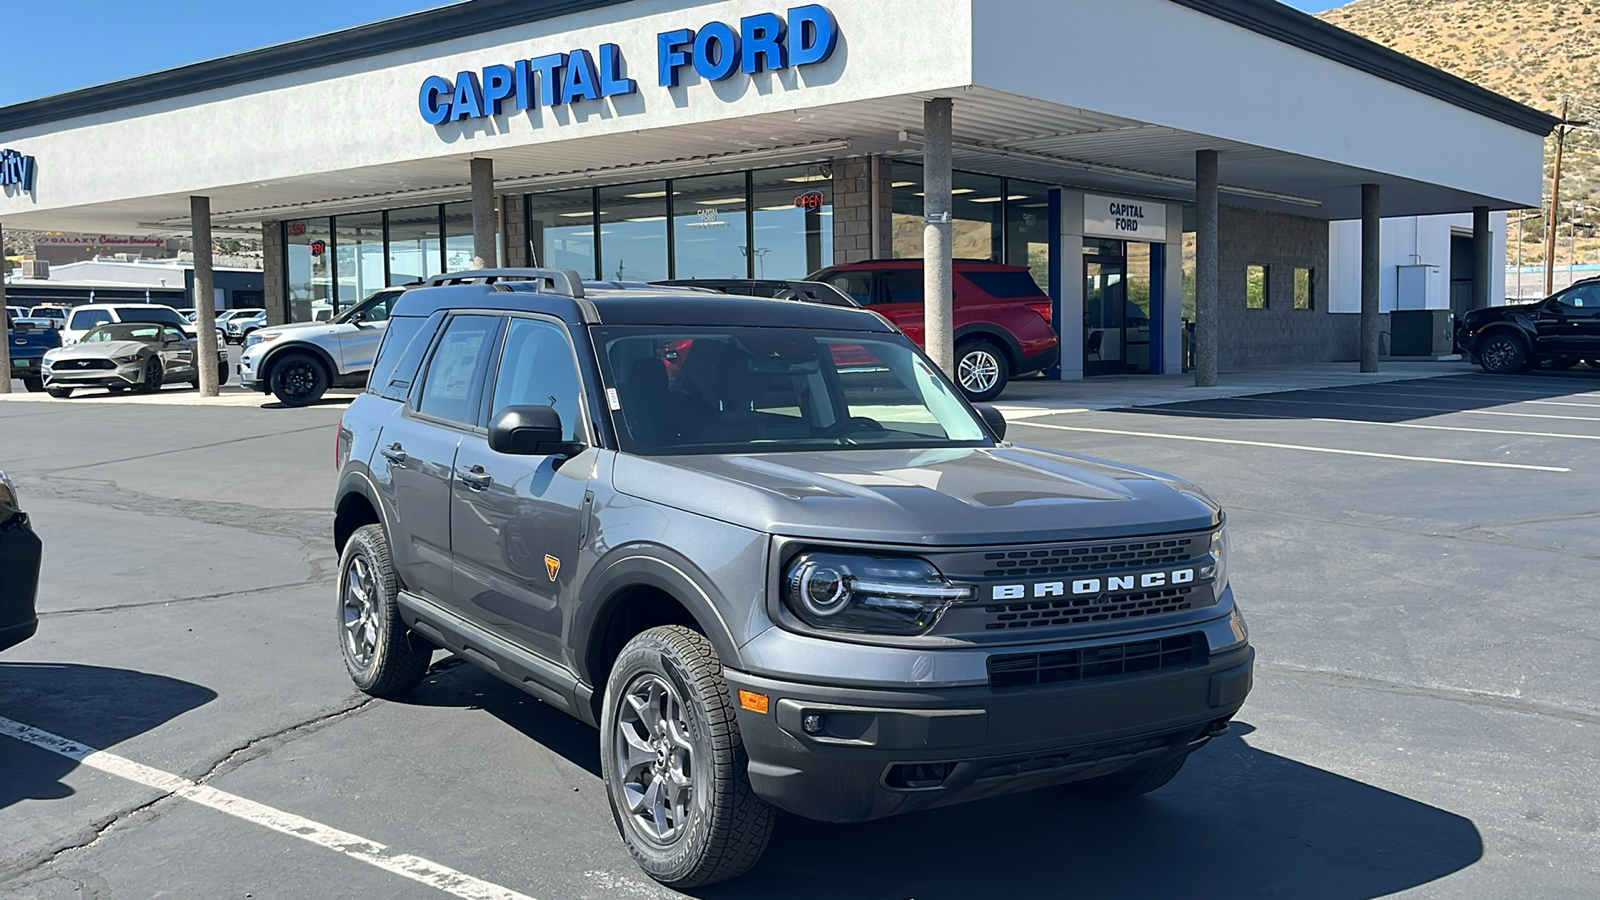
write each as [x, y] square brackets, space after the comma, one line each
[794, 569]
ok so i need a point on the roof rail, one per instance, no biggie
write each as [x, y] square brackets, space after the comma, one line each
[565, 282]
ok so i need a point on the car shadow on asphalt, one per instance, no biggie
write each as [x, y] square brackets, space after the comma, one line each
[1237, 822]
[92, 705]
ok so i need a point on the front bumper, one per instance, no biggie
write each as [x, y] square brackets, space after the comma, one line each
[881, 753]
[122, 376]
[247, 371]
[20, 552]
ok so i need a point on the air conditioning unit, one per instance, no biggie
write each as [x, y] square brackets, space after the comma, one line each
[37, 269]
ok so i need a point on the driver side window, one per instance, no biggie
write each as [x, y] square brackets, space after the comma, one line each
[539, 368]
[1583, 299]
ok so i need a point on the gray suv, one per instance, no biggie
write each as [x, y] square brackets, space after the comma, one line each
[773, 554]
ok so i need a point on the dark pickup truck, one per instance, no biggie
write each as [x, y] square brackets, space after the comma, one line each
[28, 343]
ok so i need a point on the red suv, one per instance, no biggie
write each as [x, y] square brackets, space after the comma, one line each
[1002, 319]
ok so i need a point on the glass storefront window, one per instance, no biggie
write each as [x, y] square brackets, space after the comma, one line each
[561, 230]
[414, 244]
[358, 247]
[633, 232]
[458, 244]
[310, 268]
[710, 227]
[1028, 228]
[793, 211]
[977, 210]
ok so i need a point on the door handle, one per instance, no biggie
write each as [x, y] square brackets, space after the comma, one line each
[475, 478]
[395, 454]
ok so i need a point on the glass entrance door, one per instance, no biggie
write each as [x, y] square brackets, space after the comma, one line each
[1116, 307]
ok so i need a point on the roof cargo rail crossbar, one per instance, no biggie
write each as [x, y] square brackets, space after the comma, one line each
[565, 282]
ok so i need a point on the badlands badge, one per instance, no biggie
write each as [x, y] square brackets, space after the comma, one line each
[552, 565]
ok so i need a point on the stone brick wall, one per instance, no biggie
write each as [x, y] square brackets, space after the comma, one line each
[1279, 334]
[272, 263]
[852, 210]
[516, 231]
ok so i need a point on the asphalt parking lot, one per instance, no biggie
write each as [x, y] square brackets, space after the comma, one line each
[1418, 561]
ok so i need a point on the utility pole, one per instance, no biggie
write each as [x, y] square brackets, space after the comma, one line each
[1562, 131]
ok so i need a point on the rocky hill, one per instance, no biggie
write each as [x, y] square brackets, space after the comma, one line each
[1535, 51]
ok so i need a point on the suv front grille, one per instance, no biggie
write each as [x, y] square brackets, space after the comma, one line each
[1084, 610]
[1070, 559]
[1061, 666]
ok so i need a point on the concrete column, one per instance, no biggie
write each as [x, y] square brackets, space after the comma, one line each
[1172, 324]
[205, 323]
[938, 263]
[1482, 257]
[1069, 251]
[1371, 250]
[1207, 269]
[273, 270]
[514, 219]
[5, 328]
[484, 224]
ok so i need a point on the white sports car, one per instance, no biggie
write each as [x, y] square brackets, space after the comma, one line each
[122, 355]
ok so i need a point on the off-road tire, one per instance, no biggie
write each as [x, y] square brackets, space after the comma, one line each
[397, 663]
[981, 355]
[1503, 353]
[730, 826]
[298, 379]
[1126, 785]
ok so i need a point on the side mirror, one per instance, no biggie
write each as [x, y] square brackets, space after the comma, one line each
[530, 431]
[993, 418]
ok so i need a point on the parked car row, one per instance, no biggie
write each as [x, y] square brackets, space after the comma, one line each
[128, 355]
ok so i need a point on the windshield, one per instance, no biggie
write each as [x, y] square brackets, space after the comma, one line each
[685, 390]
[145, 334]
[372, 309]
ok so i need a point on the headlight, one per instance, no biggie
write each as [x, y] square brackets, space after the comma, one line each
[125, 360]
[256, 337]
[1218, 569]
[869, 595]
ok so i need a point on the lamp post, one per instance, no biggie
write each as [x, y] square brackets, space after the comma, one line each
[1562, 130]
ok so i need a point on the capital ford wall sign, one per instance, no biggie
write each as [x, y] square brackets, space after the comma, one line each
[1124, 218]
[761, 43]
[16, 170]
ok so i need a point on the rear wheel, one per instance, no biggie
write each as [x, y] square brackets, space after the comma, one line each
[675, 765]
[1503, 353]
[1123, 785]
[379, 653]
[298, 380]
[981, 370]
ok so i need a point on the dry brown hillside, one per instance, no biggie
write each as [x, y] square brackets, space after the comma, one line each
[1535, 51]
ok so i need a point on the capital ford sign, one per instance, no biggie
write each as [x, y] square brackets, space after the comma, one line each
[16, 170]
[1093, 587]
[1124, 218]
[762, 43]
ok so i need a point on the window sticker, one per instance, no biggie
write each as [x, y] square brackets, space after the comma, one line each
[611, 398]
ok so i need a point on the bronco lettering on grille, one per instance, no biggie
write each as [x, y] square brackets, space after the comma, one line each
[1091, 587]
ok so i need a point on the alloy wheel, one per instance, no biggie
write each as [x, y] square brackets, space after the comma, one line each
[1501, 354]
[655, 757]
[298, 379]
[361, 622]
[978, 371]
[152, 375]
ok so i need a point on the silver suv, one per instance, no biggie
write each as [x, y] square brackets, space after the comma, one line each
[298, 363]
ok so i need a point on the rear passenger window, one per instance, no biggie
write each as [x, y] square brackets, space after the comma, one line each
[453, 385]
[400, 355]
[89, 318]
[1005, 285]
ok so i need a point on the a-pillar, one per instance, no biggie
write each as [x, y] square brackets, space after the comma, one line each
[938, 260]
[1371, 248]
[1482, 257]
[205, 296]
[1207, 268]
[484, 222]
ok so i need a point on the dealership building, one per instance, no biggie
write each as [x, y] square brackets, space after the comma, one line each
[1151, 161]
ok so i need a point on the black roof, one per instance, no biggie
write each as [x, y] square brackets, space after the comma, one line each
[641, 307]
[1267, 17]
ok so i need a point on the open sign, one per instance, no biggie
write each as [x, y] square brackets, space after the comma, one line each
[810, 201]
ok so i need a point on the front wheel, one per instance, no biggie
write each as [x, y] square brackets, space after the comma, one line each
[60, 393]
[1125, 785]
[675, 765]
[1503, 354]
[153, 376]
[34, 385]
[981, 370]
[382, 657]
[298, 380]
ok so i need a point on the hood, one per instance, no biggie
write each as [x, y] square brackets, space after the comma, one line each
[1006, 494]
[303, 329]
[99, 350]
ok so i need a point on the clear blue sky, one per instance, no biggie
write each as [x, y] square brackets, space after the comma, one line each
[111, 40]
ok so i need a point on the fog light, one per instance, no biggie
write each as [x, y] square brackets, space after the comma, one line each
[812, 724]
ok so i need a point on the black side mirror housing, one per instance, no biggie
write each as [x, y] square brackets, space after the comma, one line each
[993, 418]
[530, 431]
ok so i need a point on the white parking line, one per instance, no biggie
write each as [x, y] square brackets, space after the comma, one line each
[1542, 434]
[342, 842]
[1273, 446]
[1422, 409]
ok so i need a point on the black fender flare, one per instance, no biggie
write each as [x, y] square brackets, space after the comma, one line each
[271, 360]
[645, 565]
[1512, 328]
[1002, 339]
[358, 483]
